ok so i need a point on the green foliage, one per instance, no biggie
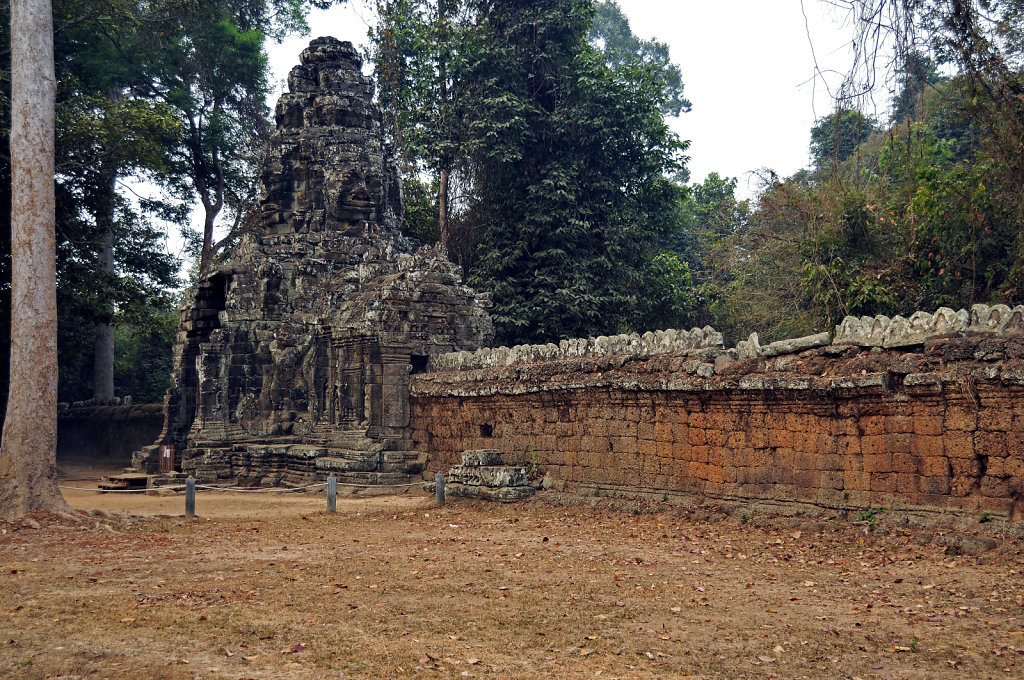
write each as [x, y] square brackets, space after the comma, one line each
[835, 137]
[569, 157]
[170, 91]
[420, 210]
[924, 214]
[611, 33]
[556, 153]
[142, 361]
[709, 215]
[870, 515]
[668, 298]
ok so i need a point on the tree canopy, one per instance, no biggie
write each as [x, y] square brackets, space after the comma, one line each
[559, 148]
[172, 92]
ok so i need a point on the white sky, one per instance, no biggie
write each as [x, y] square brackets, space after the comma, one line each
[747, 68]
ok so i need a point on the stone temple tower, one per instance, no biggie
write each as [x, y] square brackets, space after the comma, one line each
[293, 360]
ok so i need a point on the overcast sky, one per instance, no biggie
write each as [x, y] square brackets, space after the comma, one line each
[747, 65]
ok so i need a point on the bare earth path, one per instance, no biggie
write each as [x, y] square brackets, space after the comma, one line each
[395, 587]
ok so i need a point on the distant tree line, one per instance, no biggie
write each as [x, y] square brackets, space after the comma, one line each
[922, 211]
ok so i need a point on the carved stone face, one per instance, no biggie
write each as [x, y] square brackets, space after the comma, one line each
[355, 201]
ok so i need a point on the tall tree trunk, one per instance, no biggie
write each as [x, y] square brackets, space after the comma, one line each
[103, 357]
[442, 216]
[444, 231]
[28, 450]
[206, 256]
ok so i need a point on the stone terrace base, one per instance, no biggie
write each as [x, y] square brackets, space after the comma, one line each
[283, 463]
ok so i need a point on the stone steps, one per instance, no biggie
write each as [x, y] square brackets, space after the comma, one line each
[302, 464]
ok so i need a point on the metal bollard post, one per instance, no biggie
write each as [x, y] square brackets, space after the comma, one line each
[439, 488]
[332, 494]
[190, 497]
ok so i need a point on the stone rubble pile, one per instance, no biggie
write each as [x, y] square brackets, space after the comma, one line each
[483, 475]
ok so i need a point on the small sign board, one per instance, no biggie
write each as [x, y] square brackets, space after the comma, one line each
[166, 458]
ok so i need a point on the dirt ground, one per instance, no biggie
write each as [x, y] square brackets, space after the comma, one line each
[275, 587]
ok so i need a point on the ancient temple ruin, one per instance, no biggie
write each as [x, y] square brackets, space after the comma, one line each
[331, 345]
[293, 360]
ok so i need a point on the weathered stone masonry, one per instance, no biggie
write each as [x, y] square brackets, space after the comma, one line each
[292, 361]
[934, 421]
[330, 344]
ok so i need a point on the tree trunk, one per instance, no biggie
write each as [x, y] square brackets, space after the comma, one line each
[442, 215]
[28, 450]
[444, 232]
[103, 357]
[28, 479]
[206, 256]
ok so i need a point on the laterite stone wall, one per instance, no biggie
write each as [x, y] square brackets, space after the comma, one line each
[935, 429]
[106, 434]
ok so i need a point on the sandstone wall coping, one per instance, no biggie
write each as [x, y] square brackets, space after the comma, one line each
[877, 331]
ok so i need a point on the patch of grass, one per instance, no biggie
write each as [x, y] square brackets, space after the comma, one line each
[870, 515]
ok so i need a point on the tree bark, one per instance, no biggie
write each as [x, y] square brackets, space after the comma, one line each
[28, 449]
[442, 215]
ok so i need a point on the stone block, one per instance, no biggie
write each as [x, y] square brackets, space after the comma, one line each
[961, 418]
[883, 482]
[872, 425]
[872, 445]
[927, 425]
[922, 447]
[934, 485]
[995, 487]
[907, 484]
[792, 346]
[481, 457]
[492, 476]
[995, 419]
[906, 463]
[832, 480]
[898, 443]
[855, 480]
[878, 463]
[501, 494]
[956, 445]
